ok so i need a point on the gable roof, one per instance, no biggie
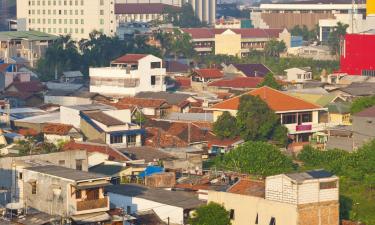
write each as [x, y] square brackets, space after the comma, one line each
[142, 8]
[276, 100]
[252, 69]
[95, 147]
[103, 118]
[140, 102]
[369, 112]
[129, 58]
[30, 86]
[246, 186]
[237, 82]
[360, 89]
[106, 169]
[209, 73]
[171, 98]
[57, 128]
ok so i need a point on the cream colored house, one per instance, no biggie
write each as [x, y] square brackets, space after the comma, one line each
[309, 198]
[228, 43]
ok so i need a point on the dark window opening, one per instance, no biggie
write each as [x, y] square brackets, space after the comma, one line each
[257, 219]
[78, 194]
[155, 65]
[306, 117]
[231, 214]
[79, 163]
[92, 194]
[33, 188]
[328, 185]
[153, 80]
[116, 139]
[289, 118]
[273, 221]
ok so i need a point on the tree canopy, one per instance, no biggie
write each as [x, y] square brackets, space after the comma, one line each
[256, 158]
[335, 37]
[185, 17]
[274, 48]
[225, 126]
[362, 103]
[270, 81]
[305, 33]
[210, 214]
[256, 121]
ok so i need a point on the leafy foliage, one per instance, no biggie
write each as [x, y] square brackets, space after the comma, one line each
[305, 33]
[210, 214]
[256, 121]
[225, 126]
[335, 37]
[184, 18]
[270, 81]
[274, 47]
[177, 44]
[256, 158]
[362, 103]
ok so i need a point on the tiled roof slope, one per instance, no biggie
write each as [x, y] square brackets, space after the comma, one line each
[276, 100]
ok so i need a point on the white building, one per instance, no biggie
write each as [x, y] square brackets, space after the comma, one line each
[62, 17]
[170, 206]
[298, 75]
[129, 75]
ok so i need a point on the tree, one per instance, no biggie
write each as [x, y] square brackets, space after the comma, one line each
[274, 47]
[256, 121]
[177, 44]
[362, 103]
[184, 18]
[210, 214]
[270, 81]
[139, 118]
[256, 158]
[225, 126]
[335, 37]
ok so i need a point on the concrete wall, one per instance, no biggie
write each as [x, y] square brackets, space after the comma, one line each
[228, 43]
[246, 208]
[66, 100]
[91, 133]
[70, 116]
[326, 213]
[175, 214]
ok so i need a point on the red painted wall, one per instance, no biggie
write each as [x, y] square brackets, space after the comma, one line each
[358, 54]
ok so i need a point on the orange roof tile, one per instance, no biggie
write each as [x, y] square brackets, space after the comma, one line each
[141, 102]
[246, 186]
[276, 100]
[57, 128]
[129, 58]
[209, 73]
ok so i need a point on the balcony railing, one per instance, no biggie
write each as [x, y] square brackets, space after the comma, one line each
[92, 204]
[304, 127]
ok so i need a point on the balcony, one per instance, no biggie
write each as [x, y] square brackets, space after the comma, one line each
[102, 203]
[306, 127]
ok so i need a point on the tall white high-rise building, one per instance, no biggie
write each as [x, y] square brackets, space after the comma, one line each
[62, 17]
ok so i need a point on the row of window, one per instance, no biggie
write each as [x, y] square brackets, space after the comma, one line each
[370, 73]
[292, 118]
[63, 30]
[59, 12]
[57, 21]
[76, 2]
[118, 138]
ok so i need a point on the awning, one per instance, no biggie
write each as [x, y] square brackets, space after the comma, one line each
[89, 186]
[91, 218]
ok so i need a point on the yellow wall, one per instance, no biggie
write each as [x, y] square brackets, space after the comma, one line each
[216, 114]
[247, 207]
[370, 7]
[341, 119]
[228, 43]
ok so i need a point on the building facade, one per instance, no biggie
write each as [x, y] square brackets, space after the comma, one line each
[129, 75]
[77, 18]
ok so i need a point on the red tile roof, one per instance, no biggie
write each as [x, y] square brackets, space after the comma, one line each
[209, 73]
[30, 86]
[129, 58]
[202, 33]
[28, 132]
[113, 154]
[238, 82]
[246, 186]
[57, 128]
[276, 100]
[183, 82]
[142, 8]
[140, 102]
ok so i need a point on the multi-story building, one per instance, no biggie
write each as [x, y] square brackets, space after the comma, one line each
[62, 17]
[300, 117]
[358, 54]
[307, 198]
[237, 42]
[129, 75]
[28, 45]
[70, 193]
[325, 14]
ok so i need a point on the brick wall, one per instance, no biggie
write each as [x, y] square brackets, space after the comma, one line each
[323, 213]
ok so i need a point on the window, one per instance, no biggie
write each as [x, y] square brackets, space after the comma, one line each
[101, 12]
[298, 76]
[92, 194]
[231, 214]
[78, 194]
[273, 221]
[289, 118]
[20, 175]
[131, 139]
[306, 117]
[128, 209]
[79, 163]
[33, 188]
[155, 65]
[328, 185]
[115, 138]
[61, 162]
[257, 219]
[153, 80]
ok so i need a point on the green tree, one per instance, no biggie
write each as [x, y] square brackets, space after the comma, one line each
[256, 158]
[270, 81]
[256, 121]
[210, 214]
[184, 18]
[335, 36]
[225, 126]
[362, 103]
[139, 118]
[274, 47]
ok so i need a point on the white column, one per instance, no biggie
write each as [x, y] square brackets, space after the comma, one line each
[212, 16]
[206, 11]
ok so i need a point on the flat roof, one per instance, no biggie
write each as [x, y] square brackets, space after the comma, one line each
[26, 35]
[310, 175]
[90, 107]
[181, 199]
[67, 173]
